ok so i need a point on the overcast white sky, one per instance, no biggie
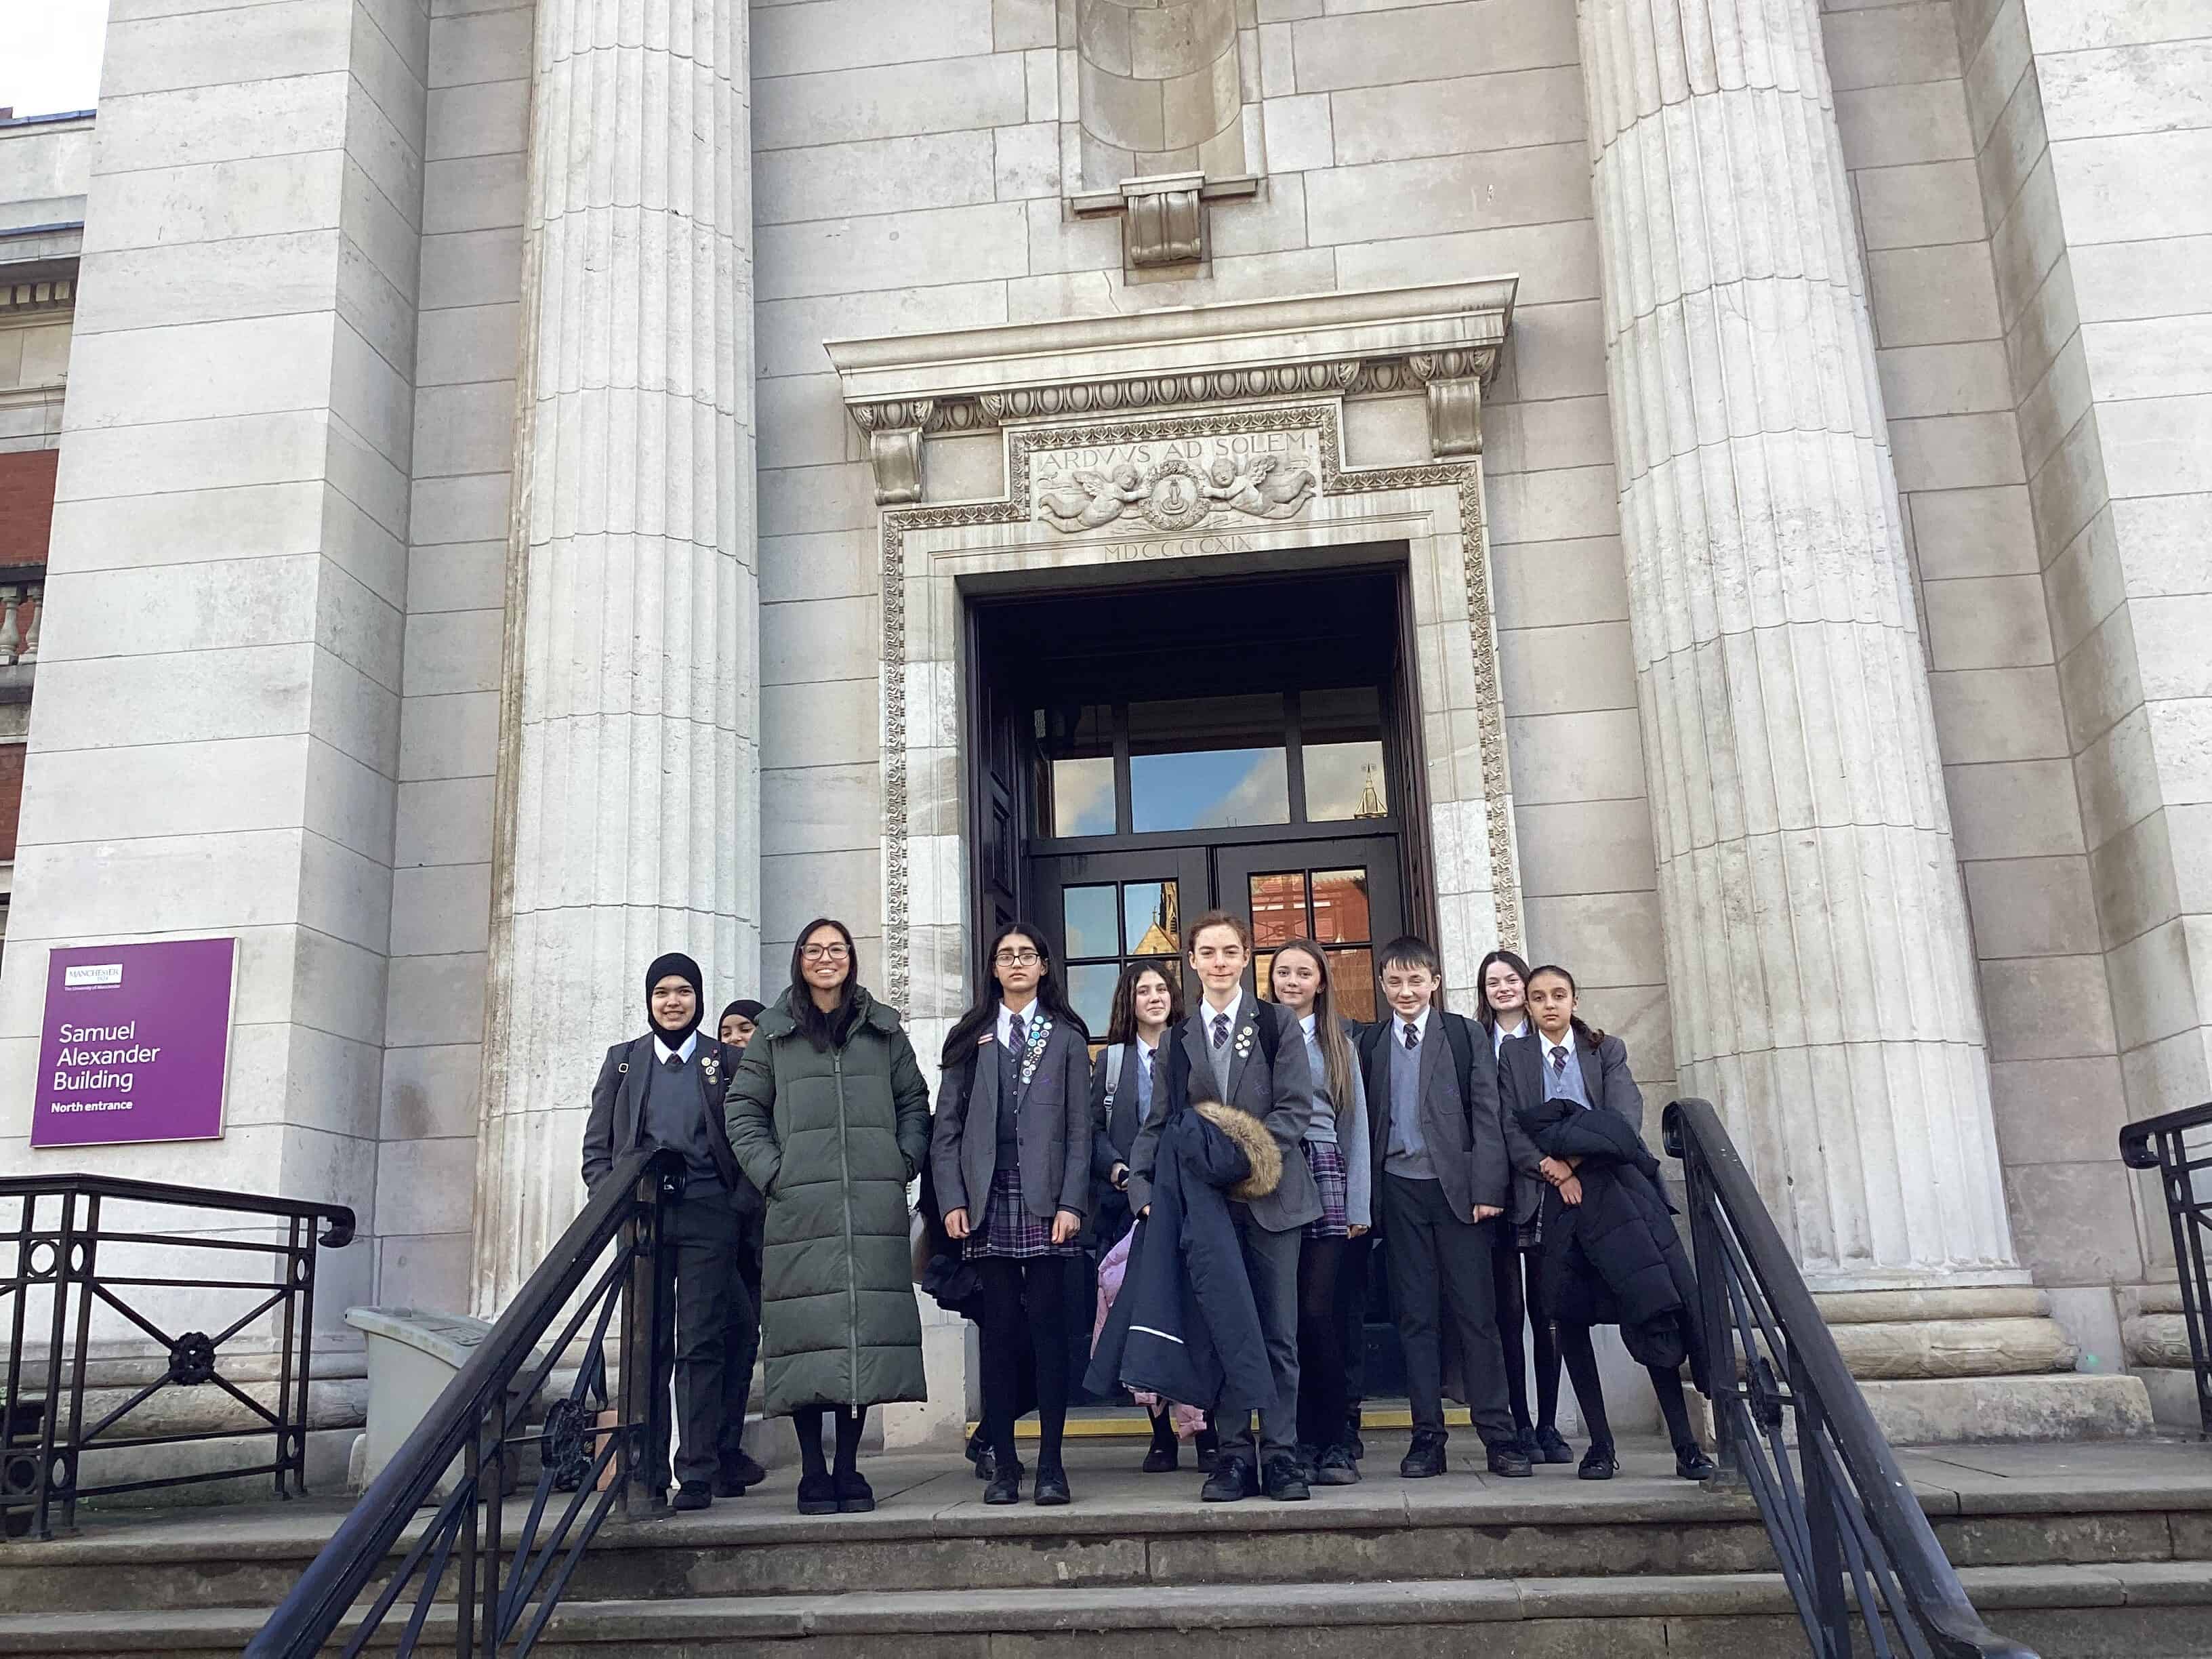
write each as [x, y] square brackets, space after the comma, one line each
[50, 55]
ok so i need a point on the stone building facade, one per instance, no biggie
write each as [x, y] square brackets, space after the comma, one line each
[534, 483]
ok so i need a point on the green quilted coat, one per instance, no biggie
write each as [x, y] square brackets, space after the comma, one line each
[833, 1139]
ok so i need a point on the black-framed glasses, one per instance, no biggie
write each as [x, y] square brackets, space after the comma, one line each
[1027, 956]
[823, 953]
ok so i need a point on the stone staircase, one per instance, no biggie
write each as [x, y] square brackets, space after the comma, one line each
[2072, 1550]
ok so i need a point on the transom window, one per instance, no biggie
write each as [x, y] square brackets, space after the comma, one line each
[1213, 762]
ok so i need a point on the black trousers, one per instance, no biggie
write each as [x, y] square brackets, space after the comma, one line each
[717, 1325]
[1520, 1276]
[1323, 1356]
[1351, 1310]
[1440, 1281]
[1271, 1261]
[1590, 1393]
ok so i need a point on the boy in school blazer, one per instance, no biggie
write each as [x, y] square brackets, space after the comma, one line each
[1443, 1181]
[1250, 1055]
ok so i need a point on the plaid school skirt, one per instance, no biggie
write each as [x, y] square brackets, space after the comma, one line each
[1326, 1159]
[1009, 1230]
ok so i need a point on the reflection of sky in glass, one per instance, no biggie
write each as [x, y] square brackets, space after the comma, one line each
[1090, 993]
[1089, 914]
[1216, 789]
[1337, 775]
[1083, 797]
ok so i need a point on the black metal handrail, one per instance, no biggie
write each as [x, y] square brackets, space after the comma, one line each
[65, 1253]
[505, 1592]
[1855, 1547]
[2185, 1176]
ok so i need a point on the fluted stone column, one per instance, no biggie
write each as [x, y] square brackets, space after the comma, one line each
[629, 766]
[1818, 955]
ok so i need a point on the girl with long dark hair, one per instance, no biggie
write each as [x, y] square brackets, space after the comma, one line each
[829, 1115]
[1338, 1151]
[1010, 1156]
[1518, 1263]
[1610, 1254]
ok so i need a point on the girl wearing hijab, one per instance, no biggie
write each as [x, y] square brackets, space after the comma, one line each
[666, 1088]
[1011, 1158]
[739, 1022]
[830, 1115]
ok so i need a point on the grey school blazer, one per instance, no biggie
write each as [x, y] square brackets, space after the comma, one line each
[1281, 1096]
[1052, 1133]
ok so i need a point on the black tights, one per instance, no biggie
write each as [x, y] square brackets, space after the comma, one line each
[807, 1421]
[1025, 1310]
[1321, 1356]
[1508, 1264]
[1589, 1394]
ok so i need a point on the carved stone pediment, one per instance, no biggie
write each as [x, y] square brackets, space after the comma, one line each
[1444, 338]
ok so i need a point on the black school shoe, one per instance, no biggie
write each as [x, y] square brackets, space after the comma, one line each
[1338, 1467]
[1598, 1463]
[1206, 1445]
[1425, 1459]
[1508, 1460]
[1691, 1463]
[1230, 1483]
[737, 1471]
[1051, 1485]
[692, 1495]
[854, 1495]
[817, 1494]
[1004, 1489]
[1161, 1459]
[1552, 1446]
[1286, 1480]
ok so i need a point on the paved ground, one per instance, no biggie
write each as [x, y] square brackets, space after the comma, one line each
[1112, 1495]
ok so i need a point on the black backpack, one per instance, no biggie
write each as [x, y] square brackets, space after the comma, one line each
[1456, 1034]
[1271, 1040]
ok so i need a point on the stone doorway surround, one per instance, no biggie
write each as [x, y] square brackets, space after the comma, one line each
[1205, 441]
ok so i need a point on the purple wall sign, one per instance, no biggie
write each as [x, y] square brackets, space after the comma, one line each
[135, 1043]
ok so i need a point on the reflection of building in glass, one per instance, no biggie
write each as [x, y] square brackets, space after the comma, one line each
[1160, 939]
[1371, 802]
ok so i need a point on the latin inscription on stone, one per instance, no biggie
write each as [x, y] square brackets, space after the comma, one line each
[1175, 484]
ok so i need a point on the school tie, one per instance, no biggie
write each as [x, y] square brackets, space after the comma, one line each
[1413, 1035]
[1017, 1037]
[1559, 1059]
[1221, 1030]
[674, 1062]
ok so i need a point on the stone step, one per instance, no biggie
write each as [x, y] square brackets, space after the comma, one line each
[1128, 1530]
[2155, 1610]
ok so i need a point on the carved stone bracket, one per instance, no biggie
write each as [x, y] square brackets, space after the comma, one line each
[1443, 339]
[1162, 216]
[894, 429]
[1453, 379]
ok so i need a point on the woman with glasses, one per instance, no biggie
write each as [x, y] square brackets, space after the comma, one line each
[1010, 1156]
[829, 1115]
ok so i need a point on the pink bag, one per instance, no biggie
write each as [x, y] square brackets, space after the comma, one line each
[1189, 1419]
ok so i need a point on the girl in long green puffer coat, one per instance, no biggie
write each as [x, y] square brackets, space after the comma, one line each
[829, 1115]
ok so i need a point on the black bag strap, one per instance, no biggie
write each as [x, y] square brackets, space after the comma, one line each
[1462, 1048]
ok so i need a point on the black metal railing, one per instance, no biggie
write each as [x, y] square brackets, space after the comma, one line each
[2165, 1144]
[1860, 1560]
[608, 1266]
[71, 1259]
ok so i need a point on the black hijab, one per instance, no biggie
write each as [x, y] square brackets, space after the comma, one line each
[684, 968]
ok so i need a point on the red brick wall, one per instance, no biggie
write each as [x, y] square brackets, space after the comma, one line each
[26, 508]
[11, 797]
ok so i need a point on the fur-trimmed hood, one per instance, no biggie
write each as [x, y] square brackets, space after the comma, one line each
[1252, 1139]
